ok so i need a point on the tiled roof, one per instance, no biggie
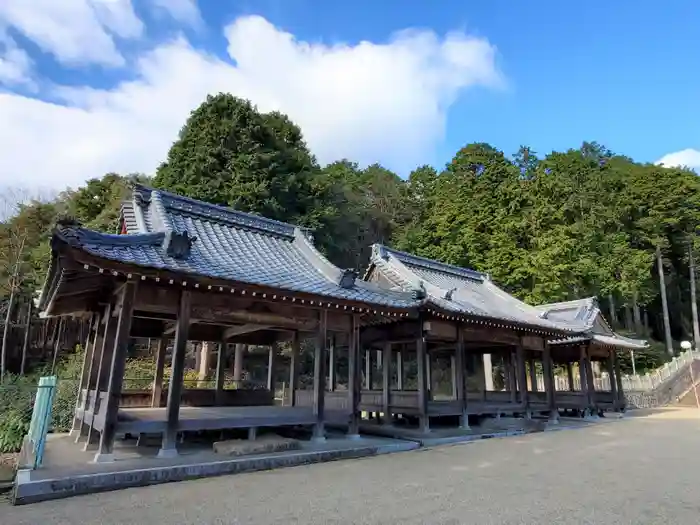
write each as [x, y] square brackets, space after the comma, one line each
[228, 245]
[586, 312]
[458, 289]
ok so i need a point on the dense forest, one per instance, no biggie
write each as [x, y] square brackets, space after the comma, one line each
[563, 225]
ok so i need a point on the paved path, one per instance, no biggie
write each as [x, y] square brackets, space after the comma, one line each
[635, 471]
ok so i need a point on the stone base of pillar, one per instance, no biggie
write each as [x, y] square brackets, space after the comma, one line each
[101, 457]
[553, 417]
[464, 422]
[167, 453]
[319, 433]
[528, 414]
[252, 433]
[353, 437]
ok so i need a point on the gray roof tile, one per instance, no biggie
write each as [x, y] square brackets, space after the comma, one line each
[229, 245]
[460, 290]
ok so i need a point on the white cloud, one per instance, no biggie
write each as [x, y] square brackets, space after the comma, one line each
[368, 102]
[687, 157]
[184, 11]
[75, 32]
[15, 64]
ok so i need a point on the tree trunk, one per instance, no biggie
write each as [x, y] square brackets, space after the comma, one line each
[613, 311]
[637, 315]
[6, 334]
[664, 301]
[629, 324]
[27, 334]
[693, 299]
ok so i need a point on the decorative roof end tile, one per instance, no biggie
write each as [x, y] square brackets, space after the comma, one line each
[347, 278]
[178, 245]
[420, 293]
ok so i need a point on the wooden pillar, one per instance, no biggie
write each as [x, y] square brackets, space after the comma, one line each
[368, 370]
[332, 378]
[570, 375]
[354, 377]
[104, 333]
[522, 379]
[488, 372]
[58, 341]
[320, 376]
[459, 367]
[512, 381]
[107, 351]
[533, 374]
[421, 362]
[399, 367]
[590, 379]
[583, 372]
[238, 364]
[157, 394]
[271, 361]
[428, 371]
[116, 374]
[168, 447]
[294, 370]
[220, 369]
[618, 379]
[610, 361]
[204, 353]
[386, 383]
[549, 383]
[84, 374]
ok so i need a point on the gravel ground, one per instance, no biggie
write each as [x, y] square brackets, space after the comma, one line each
[636, 471]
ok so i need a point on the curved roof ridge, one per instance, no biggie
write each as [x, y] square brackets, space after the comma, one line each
[223, 214]
[430, 264]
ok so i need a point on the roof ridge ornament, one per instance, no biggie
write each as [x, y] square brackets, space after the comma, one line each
[420, 292]
[178, 245]
[449, 293]
[348, 278]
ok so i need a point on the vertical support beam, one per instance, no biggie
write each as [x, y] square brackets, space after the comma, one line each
[549, 383]
[271, 363]
[590, 383]
[522, 380]
[220, 369]
[107, 351]
[238, 364]
[618, 379]
[168, 447]
[157, 392]
[570, 375]
[103, 335]
[610, 361]
[399, 367]
[368, 369]
[386, 383]
[488, 372]
[84, 374]
[583, 379]
[294, 370]
[459, 375]
[512, 380]
[320, 375]
[116, 374]
[453, 374]
[429, 371]
[421, 362]
[58, 341]
[354, 377]
[332, 378]
[533, 374]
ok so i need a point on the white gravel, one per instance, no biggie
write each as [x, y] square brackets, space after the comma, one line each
[643, 470]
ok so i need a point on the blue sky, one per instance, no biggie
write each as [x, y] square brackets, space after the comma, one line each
[110, 90]
[623, 73]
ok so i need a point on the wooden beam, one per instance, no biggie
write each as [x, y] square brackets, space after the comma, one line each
[245, 329]
[116, 375]
[354, 378]
[160, 366]
[320, 376]
[172, 411]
